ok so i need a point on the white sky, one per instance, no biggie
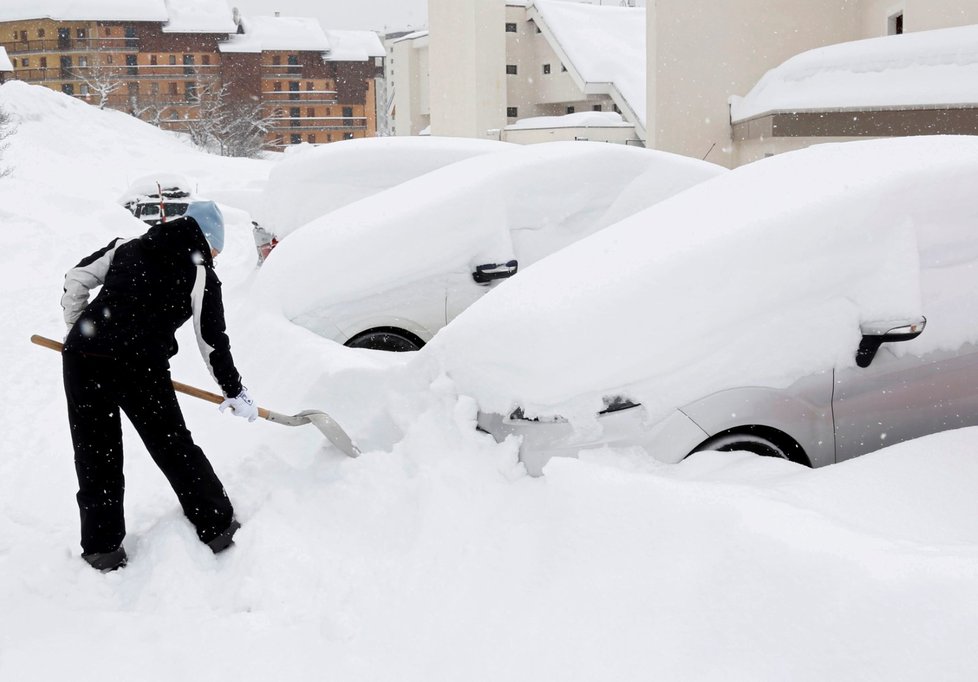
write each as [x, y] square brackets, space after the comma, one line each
[377, 15]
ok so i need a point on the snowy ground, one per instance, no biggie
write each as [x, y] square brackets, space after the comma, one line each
[432, 557]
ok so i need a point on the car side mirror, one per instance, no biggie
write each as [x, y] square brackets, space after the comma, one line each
[875, 334]
[483, 274]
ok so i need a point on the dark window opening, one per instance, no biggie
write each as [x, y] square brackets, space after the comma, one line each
[546, 69]
[296, 138]
[510, 27]
[570, 110]
[512, 112]
[511, 69]
[68, 89]
[131, 66]
[188, 65]
[596, 107]
[895, 24]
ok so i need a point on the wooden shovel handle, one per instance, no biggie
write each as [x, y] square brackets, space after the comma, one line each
[177, 386]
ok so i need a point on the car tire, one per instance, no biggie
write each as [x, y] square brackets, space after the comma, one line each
[749, 442]
[386, 339]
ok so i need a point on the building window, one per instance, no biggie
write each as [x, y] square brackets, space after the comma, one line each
[329, 137]
[596, 107]
[68, 89]
[108, 32]
[348, 116]
[293, 89]
[83, 89]
[131, 42]
[277, 86]
[512, 112]
[310, 86]
[23, 36]
[546, 69]
[617, 110]
[311, 139]
[894, 24]
[83, 61]
[310, 113]
[511, 69]
[80, 33]
[44, 62]
[296, 138]
[570, 110]
[190, 91]
[40, 33]
[293, 60]
[276, 60]
[24, 62]
[207, 60]
[131, 64]
[172, 88]
[188, 65]
[510, 28]
[172, 60]
[153, 60]
[347, 136]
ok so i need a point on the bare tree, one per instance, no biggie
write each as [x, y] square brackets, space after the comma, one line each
[225, 126]
[100, 79]
[6, 130]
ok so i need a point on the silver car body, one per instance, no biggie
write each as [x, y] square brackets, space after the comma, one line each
[832, 416]
[905, 387]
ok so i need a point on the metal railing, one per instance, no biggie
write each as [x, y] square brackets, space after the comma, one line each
[18, 47]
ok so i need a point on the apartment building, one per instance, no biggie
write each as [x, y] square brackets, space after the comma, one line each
[161, 60]
[701, 54]
[728, 82]
[491, 64]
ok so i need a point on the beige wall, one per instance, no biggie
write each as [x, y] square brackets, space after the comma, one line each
[467, 67]
[411, 105]
[703, 51]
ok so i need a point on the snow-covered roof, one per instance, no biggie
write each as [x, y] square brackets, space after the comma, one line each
[602, 44]
[412, 36]
[270, 33]
[5, 64]
[354, 46]
[194, 16]
[580, 119]
[84, 10]
[910, 70]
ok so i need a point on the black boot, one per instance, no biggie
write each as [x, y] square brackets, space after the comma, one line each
[225, 539]
[107, 561]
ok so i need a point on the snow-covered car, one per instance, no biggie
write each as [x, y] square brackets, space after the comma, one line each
[389, 271]
[814, 306]
[155, 198]
[312, 181]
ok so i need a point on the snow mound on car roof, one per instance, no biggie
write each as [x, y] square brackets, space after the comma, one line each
[523, 203]
[762, 275]
[312, 181]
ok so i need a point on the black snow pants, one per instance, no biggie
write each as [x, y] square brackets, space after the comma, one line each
[96, 388]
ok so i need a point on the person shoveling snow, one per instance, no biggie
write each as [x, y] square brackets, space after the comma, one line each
[116, 356]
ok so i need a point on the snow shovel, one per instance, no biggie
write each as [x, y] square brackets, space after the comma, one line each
[322, 421]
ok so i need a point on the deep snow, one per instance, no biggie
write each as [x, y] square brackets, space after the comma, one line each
[432, 557]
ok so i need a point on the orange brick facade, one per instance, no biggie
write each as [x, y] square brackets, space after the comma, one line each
[160, 77]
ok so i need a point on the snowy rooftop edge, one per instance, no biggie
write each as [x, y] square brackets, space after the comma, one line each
[910, 71]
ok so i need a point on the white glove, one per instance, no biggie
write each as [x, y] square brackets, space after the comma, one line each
[241, 405]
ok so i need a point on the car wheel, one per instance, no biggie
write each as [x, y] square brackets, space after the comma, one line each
[386, 339]
[766, 445]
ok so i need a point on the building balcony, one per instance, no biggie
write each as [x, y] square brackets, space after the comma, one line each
[61, 45]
